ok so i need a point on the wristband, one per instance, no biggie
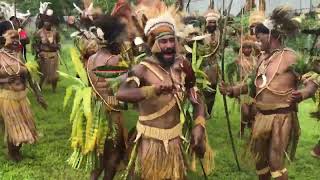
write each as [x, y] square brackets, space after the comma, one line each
[200, 121]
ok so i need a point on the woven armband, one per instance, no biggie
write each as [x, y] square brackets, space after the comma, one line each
[148, 91]
[200, 121]
[279, 173]
[263, 171]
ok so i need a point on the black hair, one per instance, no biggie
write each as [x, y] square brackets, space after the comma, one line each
[260, 28]
[13, 18]
[112, 28]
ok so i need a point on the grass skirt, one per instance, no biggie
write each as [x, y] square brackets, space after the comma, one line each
[156, 164]
[18, 119]
[49, 65]
[262, 129]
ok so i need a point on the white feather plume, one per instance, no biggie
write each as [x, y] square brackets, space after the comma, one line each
[43, 7]
[77, 8]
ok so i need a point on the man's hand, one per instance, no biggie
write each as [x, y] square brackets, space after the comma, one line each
[295, 97]
[42, 102]
[198, 140]
[225, 89]
[164, 88]
[11, 79]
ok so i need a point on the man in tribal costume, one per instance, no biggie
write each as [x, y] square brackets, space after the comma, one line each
[111, 33]
[157, 85]
[246, 63]
[47, 46]
[211, 63]
[276, 128]
[14, 105]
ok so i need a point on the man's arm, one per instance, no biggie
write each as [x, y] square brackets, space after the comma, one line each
[4, 80]
[37, 92]
[130, 90]
[198, 132]
[310, 86]
[57, 45]
[233, 91]
[197, 102]
[308, 91]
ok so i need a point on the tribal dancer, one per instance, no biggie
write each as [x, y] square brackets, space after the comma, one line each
[14, 106]
[111, 33]
[46, 44]
[246, 63]
[157, 85]
[276, 127]
[211, 63]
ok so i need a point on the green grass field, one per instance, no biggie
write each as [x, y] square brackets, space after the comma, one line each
[47, 158]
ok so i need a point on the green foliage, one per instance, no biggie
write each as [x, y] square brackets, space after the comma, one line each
[303, 65]
[309, 21]
[241, 23]
[89, 128]
[105, 5]
[201, 77]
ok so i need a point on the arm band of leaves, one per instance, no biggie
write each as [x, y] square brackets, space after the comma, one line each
[200, 121]
[148, 91]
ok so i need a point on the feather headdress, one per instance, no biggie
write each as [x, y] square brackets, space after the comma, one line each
[212, 15]
[281, 21]
[89, 11]
[256, 17]
[164, 21]
[248, 40]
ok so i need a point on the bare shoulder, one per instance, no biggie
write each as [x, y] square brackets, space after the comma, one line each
[101, 58]
[290, 56]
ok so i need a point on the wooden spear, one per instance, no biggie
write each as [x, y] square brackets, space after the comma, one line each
[15, 8]
[224, 36]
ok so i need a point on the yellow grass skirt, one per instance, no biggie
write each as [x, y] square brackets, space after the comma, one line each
[18, 119]
[156, 164]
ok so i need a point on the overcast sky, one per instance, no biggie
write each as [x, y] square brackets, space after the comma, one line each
[202, 5]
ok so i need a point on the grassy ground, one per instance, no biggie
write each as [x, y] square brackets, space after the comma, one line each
[47, 158]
